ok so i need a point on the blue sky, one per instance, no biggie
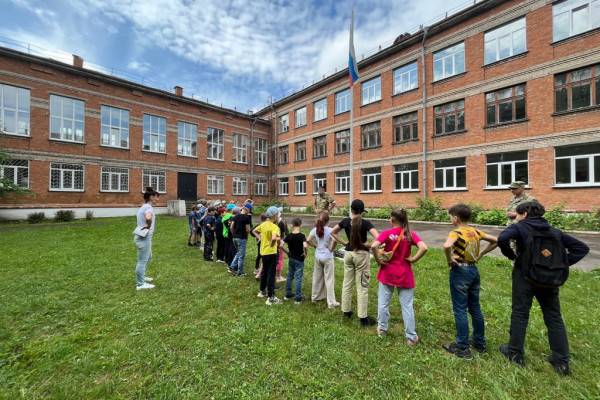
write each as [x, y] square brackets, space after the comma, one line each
[233, 52]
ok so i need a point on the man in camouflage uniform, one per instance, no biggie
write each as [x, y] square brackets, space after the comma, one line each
[323, 201]
[517, 188]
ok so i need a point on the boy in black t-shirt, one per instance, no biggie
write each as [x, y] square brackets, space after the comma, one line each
[296, 242]
[240, 227]
[209, 233]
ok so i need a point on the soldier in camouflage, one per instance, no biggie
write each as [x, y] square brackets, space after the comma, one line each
[323, 201]
[517, 188]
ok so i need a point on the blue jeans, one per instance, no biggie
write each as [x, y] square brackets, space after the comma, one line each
[237, 264]
[464, 291]
[144, 255]
[406, 297]
[295, 271]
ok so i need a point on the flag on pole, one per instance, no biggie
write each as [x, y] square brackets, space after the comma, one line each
[352, 67]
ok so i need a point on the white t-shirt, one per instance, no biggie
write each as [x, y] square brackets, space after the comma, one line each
[141, 218]
[322, 252]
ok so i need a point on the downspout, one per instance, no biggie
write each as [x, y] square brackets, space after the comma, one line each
[424, 111]
[252, 158]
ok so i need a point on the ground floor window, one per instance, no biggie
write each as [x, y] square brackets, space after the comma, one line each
[215, 184]
[371, 180]
[578, 165]
[260, 187]
[406, 177]
[283, 186]
[114, 179]
[450, 174]
[504, 168]
[15, 172]
[154, 179]
[319, 180]
[300, 182]
[240, 186]
[342, 182]
[66, 177]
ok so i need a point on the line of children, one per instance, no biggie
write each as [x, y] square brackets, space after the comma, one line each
[297, 246]
[323, 279]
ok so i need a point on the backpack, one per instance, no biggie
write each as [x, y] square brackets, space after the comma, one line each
[543, 259]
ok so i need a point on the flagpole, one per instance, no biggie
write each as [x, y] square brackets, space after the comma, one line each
[353, 75]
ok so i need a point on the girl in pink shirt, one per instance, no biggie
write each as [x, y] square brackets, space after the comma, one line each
[397, 273]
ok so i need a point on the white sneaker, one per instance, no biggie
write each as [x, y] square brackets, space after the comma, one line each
[272, 300]
[334, 305]
[145, 286]
[261, 294]
[148, 279]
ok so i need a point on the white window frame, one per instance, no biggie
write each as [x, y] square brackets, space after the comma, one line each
[154, 132]
[283, 186]
[454, 170]
[343, 101]
[301, 117]
[346, 136]
[369, 180]
[113, 133]
[296, 151]
[342, 182]
[215, 184]
[321, 180]
[121, 173]
[284, 123]
[261, 152]
[320, 147]
[64, 170]
[566, 9]
[240, 186]
[320, 108]
[260, 187]
[187, 137]
[573, 159]
[215, 148]
[157, 179]
[406, 78]
[240, 148]
[369, 131]
[453, 54]
[300, 185]
[67, 122]
[412, 179]
[510, 32]
[499, 165]
[371, 91]
[21, 110]
[18, 168]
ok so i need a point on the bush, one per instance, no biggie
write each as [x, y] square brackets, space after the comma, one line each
[89, 215]
[64, 216]
[491, 217]
[475, 210]
[556, 217]
[36, 218]
[430, 209]
[309, 209]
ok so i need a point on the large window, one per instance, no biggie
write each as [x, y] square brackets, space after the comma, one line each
[318, 181]
[14, 110]
[260, 152]
[300, 182]
[450, 174]
[450, 118]
[215, 184]
[320, 147]
[406, 177]
[301, 117]
[342, 142]
[370, 135]
[66, 177]
[572, 17]
[214, 144]
[449, 62]
[284, 154]
[156, 179]
[320, 108]
[284, 123]
[371, 180]
[283, 186]
[16, 172]
[371, 90]
[342, 101]
[406, 78]
[240, 148]
[66, 119]
[505, 41]
[504, 168]
[406, 127]
[155, 134]
[187, 139]
[115, 127]
[505, 105]
[260, 187]
[114, 179]
[342, 182]
[301, 151]
[240, 186]
[577, 89]
[578, 165]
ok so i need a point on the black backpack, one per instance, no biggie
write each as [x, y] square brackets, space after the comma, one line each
[543, 259]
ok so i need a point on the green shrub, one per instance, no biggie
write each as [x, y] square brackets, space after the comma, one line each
[491, 217]
[64, 216]
[89, 215]
[475, 210]
[556, 217]
[36, 218]
[430, 209]
[309, 209]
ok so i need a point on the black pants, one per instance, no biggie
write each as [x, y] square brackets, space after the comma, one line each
[522, 296]
[208, 245]
[267, 278]
[220, 247]
[229, 250]
[258, 256]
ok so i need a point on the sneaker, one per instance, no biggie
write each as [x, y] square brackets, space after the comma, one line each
[413, 342]
[333, 305]
[145, 286]
[220, 261]
[280, 279]
[148, 279]
[272, 300]
[299, 300]
[367, 321]
[190, 244]
[453, 348]
[561, 368]
[261, 294]
[243, 274]
[288, 297]
[480, 348]
[511, 356]
[381, 333]
[348, 314]
[231, 271]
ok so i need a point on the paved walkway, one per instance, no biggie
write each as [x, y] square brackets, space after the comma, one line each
[435, 235]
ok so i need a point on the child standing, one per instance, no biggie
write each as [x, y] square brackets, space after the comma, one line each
[209, 233]
[323, 280]
[193, 226]
[240, 227]
[269, 235]
[283, 228]
[462, 253]
[219, 235]
[257, 264]
[397, 273]
[296, 242]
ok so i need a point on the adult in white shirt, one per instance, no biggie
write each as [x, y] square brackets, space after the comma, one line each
[142, 238]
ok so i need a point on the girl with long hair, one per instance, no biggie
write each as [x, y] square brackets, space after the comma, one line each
[323, 279]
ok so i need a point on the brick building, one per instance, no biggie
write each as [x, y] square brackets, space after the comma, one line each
[502, 91]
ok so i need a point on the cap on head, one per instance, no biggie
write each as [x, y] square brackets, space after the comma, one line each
[357, 206]
[272, 212]
[248, 206]
[230, 207]
[517, 184]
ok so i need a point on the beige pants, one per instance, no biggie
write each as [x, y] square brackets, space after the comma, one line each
[323, 281]
[357, 268]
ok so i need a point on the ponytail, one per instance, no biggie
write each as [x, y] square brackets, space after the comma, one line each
[401, 217]
[321, 223]
[355, 239]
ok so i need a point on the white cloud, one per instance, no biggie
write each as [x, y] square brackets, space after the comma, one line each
[139, 66]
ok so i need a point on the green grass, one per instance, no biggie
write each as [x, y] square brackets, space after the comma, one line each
[72, 326]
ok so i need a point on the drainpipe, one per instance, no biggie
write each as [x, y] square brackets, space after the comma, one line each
[424, 111]
[251, 158]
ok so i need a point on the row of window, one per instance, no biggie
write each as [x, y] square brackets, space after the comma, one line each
[577, 165]
[570, 18]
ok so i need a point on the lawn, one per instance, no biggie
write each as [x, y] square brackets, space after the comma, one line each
[72, 326]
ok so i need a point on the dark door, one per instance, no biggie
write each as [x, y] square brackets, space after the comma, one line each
[187, 186]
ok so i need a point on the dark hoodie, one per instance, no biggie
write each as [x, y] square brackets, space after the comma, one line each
[576, 249]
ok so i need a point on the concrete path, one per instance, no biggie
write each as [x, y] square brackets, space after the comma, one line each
[435, 234]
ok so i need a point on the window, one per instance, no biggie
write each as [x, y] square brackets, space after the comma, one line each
[300, 182]
[406, 78]
[342, 101]
[114, 179]
[14, 110]
[504, 168]
[283, 186]
[320, 108]
[449, 62]
[155, 179]
[450, 174]
[187, 139]
[505, 105]
[301, 117]
[370, 135]
[572, 17]
[240, 186]
[66, 177]
[15, 172]
[283, 155]
[371, 180]
[301, 151]
[406, 177]
[155, 134]
[260, 152]
[284, 123]
[66, 119]
[371, 90]
[578, 165]
[505, 41]
[577, 89]
[342, 142]
[214, 144]
[450, 118]
[406, 127]
[215, 184]
[342, 182]
[319, 180]
[114, 127]
[260, 187]
[320, 147]
[240, 148]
